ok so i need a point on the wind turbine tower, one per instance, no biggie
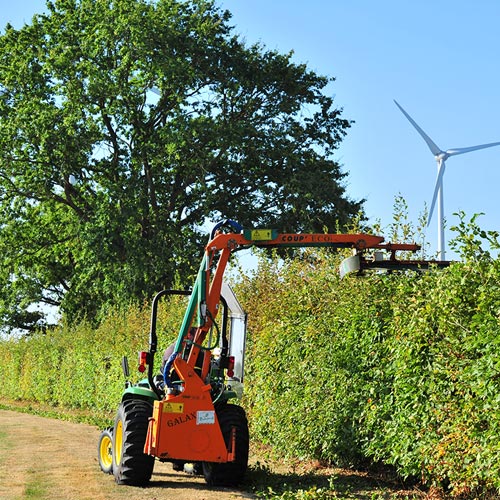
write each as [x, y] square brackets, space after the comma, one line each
[441, 157]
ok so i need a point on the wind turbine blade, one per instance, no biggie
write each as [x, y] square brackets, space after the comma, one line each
[432, 146]
[437, 187]
[459, 151]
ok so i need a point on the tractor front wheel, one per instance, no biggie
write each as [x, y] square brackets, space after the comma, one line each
[130, 464]
[233, 422]
[105, 450]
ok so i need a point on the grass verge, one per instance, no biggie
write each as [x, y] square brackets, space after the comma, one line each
[71, 415]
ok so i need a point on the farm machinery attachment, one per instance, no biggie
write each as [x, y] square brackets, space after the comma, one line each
[183, 414]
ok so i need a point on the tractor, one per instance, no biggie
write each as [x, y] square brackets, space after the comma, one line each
[185, 414]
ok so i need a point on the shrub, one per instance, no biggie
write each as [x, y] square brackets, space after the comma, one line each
[79, 366]
[401, 369]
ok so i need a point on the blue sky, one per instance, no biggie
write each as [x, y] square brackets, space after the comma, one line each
[438, 59]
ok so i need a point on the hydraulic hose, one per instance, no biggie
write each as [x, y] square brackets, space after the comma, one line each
[167, 369]
[228, 222]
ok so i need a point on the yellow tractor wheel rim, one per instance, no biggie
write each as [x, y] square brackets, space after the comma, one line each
[105, 451]
[118, 438]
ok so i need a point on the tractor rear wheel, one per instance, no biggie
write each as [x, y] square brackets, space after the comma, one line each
[130, 464]
[105, 450]
[230, 473]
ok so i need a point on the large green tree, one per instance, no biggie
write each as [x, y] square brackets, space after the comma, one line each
[124, 126]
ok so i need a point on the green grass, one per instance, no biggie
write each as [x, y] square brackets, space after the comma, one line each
[5, 445]
[72, 415]
[36, 487]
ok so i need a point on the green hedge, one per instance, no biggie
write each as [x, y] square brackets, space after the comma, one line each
[439, 415]
[78, 365]
[311, 339]
[398, 369]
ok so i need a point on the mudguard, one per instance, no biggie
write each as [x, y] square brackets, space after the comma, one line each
[142, 390]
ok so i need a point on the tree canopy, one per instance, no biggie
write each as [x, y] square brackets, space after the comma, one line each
[124, 126]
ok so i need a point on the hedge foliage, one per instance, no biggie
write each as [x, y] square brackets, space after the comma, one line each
[79, 366]
[401, 369]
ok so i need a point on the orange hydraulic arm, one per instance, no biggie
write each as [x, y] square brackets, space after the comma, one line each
[223, 245]
[206, 293]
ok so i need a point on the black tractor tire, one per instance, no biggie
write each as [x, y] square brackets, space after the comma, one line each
[105, 450]
[131, 465]
[230, 473]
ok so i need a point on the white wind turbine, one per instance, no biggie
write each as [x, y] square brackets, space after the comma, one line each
[441, 157]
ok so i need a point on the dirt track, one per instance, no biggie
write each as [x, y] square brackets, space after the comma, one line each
[42, 458]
